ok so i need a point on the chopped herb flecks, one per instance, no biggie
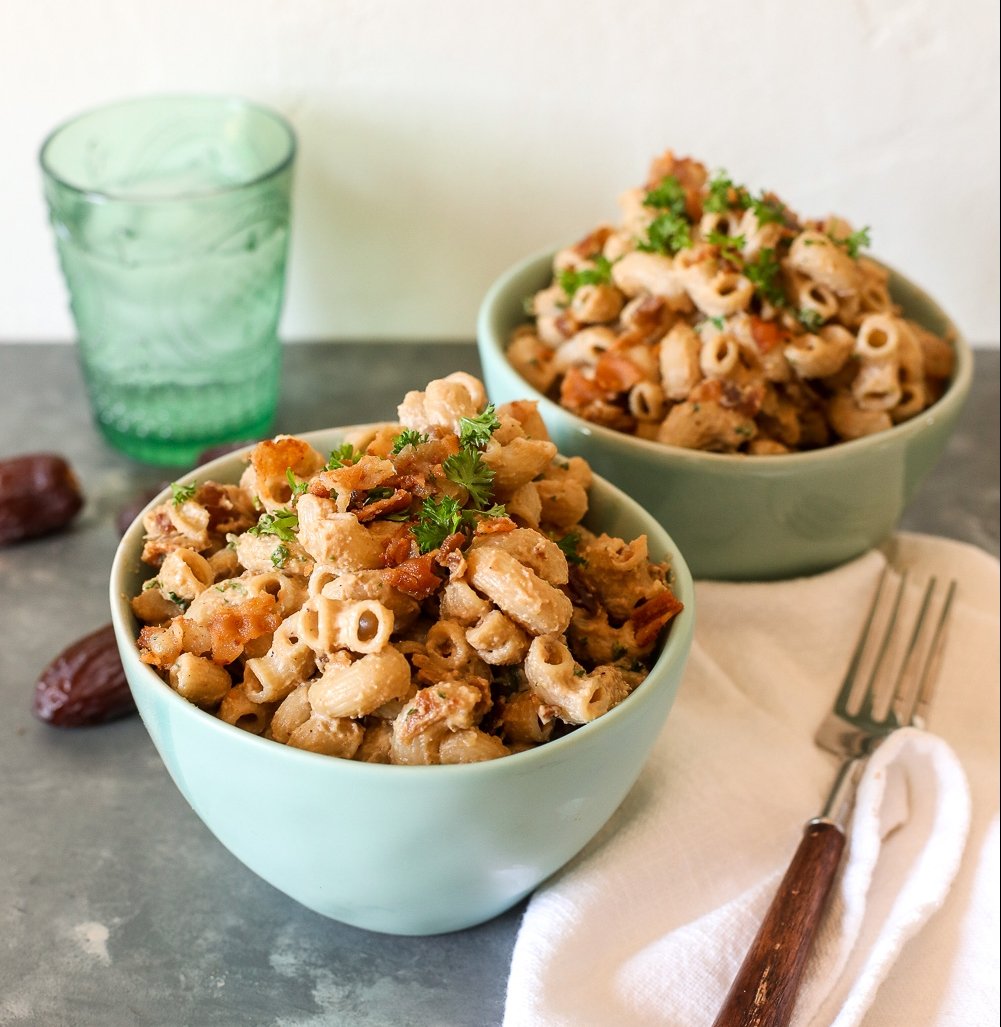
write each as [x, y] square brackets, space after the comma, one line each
[181, 493]
[283, 523]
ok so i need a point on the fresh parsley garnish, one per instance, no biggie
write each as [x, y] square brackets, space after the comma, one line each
[475, 432]
[667, 233]
[297, 487]
[670, 231]
[178, 601]
[181, 493]
[723, 195]
[344, 454]
[568, 545]
[283, 523]
[730, 245]
[854, 242]
[669, 195]
[571, 279]
[466, 468]
[409, 437]
[768, 210]
[152, 583]
[810, 319]
[763, 273]
[380, 492]
[497, 510]
[438, 519]
[719, 321]
[280, 555]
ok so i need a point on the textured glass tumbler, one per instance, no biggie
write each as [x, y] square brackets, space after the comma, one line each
[171, 217]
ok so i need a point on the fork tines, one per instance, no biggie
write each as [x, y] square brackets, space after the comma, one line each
[892, 672]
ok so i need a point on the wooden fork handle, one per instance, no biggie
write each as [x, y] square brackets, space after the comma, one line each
[764, 991]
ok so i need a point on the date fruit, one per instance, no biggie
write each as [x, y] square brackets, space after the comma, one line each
[85, 684]
[39, 493]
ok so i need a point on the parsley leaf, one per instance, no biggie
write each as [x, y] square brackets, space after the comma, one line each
[668, 233]
[470, 517]
[568, 545]
[466, 468]
[298, 487]
[730, 245]
[723, 195]
[854, 242]
[763, 273]
[669, 195]
[810, 319]
[379, 492]
[181, 493]
[409, 437]
[282, 523]
[768, 210]
[438, 519]
[280, 555]
[571, 279]
[343, 455]
[475, 432]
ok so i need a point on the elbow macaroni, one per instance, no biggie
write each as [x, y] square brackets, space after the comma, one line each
[395, 606]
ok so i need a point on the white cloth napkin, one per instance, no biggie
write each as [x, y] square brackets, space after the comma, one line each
[649, 924]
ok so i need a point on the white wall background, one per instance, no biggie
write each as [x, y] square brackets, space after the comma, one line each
[443, 139]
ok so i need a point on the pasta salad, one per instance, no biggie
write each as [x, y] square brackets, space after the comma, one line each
[425, 593]
[712, 318]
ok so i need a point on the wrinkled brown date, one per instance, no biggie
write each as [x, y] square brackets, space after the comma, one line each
[39, 493]
[85, 684]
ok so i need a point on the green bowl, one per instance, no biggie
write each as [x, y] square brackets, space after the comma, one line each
[739, 517]
[405, 850]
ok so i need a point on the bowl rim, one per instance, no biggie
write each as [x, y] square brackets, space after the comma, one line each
[126, 561]
[950, 400]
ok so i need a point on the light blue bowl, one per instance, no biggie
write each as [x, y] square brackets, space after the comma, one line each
[739, 517]
[405, 850]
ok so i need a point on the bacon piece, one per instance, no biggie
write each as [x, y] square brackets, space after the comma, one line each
[650, 617]
[616, 373]
[577, 391]
[226, 511]
[319, 488]
[399, 500]
[593, 243]
[767, 334]
[452, 544]
[398, 548]
[416, 577]
[232, 627]
[494, 525]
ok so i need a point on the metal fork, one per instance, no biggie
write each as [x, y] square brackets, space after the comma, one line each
[764, 991]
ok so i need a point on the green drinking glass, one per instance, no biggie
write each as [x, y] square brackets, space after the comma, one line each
[171, 217]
